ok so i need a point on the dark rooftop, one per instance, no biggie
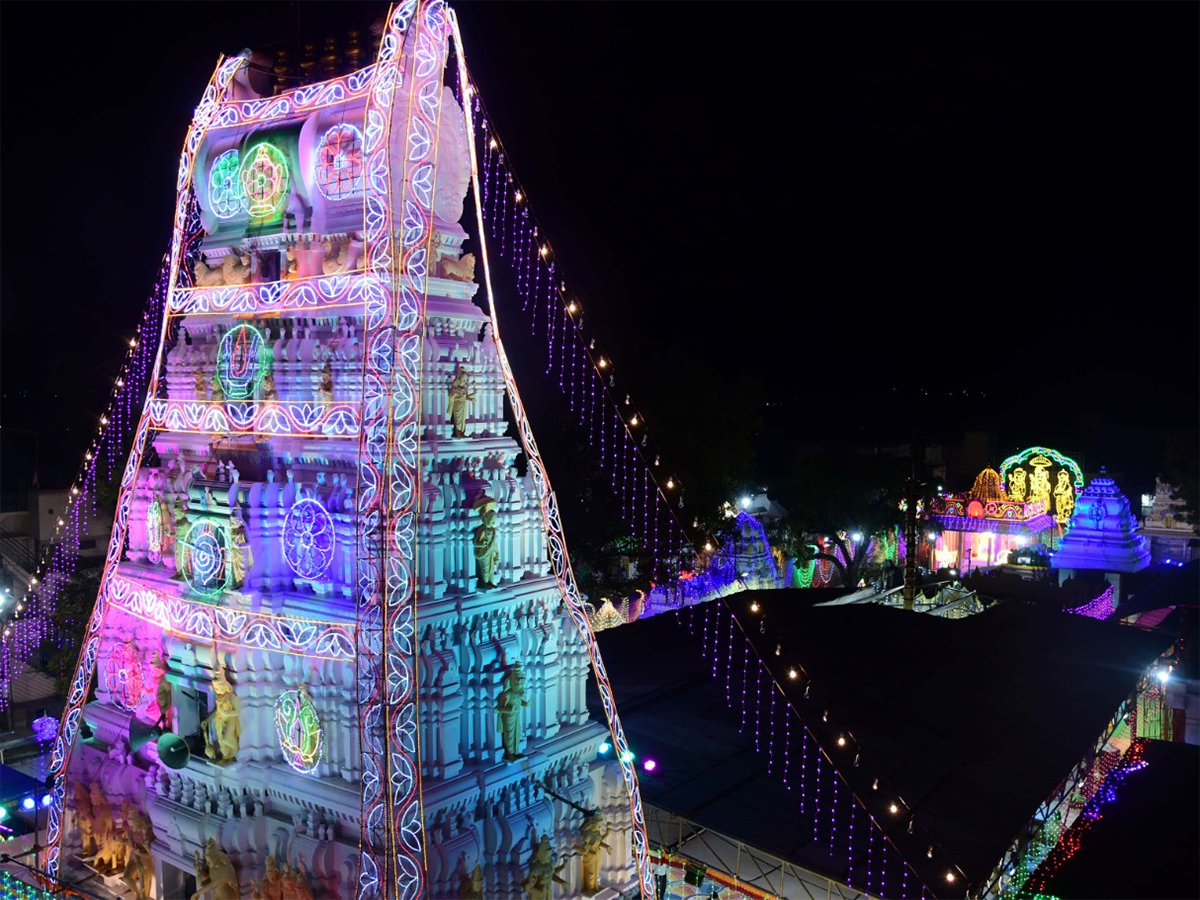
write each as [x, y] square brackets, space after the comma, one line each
[1145, 842]
[970, 723]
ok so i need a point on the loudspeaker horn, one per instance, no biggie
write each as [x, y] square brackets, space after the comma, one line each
[173, 750]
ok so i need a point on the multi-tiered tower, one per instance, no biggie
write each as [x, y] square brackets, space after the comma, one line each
[327, 578]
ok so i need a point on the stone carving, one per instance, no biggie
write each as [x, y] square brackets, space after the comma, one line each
[591, 841]
[543, 873]
[215, 874]
[486, 546]
[471, 885]
[326, 389]
[234, 269]
[460, 395]
[223, 726]
[182, 526]
[162, 691]
[139, 870]
[201, 384]
[508, 711]
[102, 821]
[83, 818]
[241, 556]
[459, 269]
[335, 263]
[270, 392]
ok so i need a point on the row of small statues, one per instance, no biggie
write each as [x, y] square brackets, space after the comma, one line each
[269, 390]
[115, 846]
[236, 267]
[545, 870]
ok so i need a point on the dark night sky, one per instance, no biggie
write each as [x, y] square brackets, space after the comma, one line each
[839, 198]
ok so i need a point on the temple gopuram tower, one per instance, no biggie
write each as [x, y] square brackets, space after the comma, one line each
[338, 650]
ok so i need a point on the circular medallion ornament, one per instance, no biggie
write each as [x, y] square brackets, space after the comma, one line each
[225, 195]
[299, 730]
[207, 551]
[124, 677]
[241, 362]
[339, 162]
[308, 539]
[264, 180]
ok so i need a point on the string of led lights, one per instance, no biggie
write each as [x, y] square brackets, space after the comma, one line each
[182, 249]
[552, 526]
[650, 504]
[843, 804]
[33, 621]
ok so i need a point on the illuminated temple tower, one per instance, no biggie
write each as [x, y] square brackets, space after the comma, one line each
[337, 647]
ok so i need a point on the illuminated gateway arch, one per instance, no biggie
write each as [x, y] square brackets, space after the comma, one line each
[338, 648]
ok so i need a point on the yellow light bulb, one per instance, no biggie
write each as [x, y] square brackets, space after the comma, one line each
[707, 547]
[670, 482]
[132, 342]
[603, 362]
[518, 196]
[634, 420]
[792, 673]
[573, 306]
[494, 145]
[841, 741]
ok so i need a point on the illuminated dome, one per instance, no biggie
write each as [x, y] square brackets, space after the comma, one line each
[987, 486]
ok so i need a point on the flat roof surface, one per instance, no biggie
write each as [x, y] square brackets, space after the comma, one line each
[971, 723]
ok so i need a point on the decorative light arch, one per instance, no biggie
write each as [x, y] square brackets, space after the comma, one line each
[124, 677]
[1054, 456]
[264, 179]
[241, 361]
[339, 162]
[225, 195]
[301, 739]
[207, 548]
[308, 539]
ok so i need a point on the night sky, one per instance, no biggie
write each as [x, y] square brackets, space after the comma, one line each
[862, 206]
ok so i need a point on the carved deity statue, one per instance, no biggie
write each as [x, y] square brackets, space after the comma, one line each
[326, 389]
[162, 691]
[182, 526]
[591, 840]
[241, 556]
[270, 392]
[201, 384]
[508, 711]
[139, 870]
[470, 886]
[215, 874]
[83, 818]
[486, 547]
[543, 873]
[460, 394]
[218, 392]
[223, 726]
[102, 818]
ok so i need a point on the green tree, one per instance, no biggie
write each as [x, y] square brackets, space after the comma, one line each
[1180, 471]
[59, 652]
[840, 492]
